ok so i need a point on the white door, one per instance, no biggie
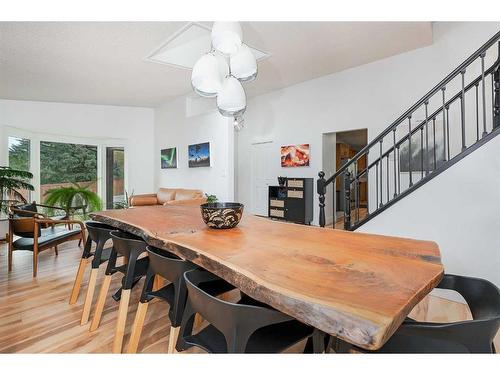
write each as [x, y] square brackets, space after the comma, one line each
[263, 156]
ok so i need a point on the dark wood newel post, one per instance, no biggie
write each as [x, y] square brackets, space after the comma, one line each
[321, 190]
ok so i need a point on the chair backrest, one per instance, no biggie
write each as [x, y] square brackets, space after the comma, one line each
[99, 232]
[167, 265]
[24, 209]
[126, 243]
[23, 226]
[227, 317]
[469, 336]
[482, 296]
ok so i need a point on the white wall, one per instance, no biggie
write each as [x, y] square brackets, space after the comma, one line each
[370, 96]
[459, 210]
[130, 126]
[178, 125]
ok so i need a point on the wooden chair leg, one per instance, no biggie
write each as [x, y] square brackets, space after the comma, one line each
[135, 336]
[75, 292]
[35, 261]
[121, 322]
[172, 339]
[87, 305]
[56, 251]
[96, 320]
[10, 254]
[35, 249]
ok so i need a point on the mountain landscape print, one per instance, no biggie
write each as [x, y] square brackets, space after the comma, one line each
[199, 155]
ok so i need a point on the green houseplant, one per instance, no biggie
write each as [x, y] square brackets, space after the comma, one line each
[12, 181]
[211, 198]
[73, 198]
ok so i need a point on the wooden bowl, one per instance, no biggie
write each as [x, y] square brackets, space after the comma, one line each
[221, 215]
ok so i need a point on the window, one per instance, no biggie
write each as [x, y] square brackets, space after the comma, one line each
[115, 174]
[63, 164]
[19, 158]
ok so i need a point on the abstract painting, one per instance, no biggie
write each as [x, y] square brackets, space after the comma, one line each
[199, 155]
[295, 156]
[169, 158]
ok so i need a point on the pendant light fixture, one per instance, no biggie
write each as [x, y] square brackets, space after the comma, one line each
[226, 37]
[243, 64]
[208, 74]
[231, 100]
[220, 72]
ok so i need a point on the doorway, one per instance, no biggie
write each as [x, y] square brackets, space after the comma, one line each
[348, 145]
[262, 176]
[338, 149]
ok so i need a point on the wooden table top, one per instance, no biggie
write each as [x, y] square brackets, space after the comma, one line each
[356, 286]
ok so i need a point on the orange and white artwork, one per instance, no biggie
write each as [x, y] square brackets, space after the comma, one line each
[295, 156]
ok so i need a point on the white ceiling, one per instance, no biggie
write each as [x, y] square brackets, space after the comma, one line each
[104, 62]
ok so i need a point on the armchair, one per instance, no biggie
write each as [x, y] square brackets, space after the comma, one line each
[37, 233]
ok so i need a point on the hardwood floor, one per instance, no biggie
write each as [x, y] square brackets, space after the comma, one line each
[339, 223]
[35, 316]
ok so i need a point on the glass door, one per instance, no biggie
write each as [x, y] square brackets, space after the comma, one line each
[115, 177]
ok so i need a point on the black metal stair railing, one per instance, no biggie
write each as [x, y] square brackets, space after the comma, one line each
[414, 151]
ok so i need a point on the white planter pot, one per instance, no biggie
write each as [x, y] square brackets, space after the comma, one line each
[4, 228]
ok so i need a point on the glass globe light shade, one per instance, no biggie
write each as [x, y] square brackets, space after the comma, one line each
[231, 100]
[243, 64]
[208, 74]
[226, 37]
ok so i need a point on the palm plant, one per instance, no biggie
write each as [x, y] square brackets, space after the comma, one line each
[72, 198]
[11, 182]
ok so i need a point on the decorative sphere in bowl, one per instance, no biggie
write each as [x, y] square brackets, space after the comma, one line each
[221, 215]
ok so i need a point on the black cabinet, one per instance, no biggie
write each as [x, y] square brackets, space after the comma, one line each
[293, 201]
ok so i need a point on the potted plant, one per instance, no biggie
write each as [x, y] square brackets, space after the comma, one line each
[12, 181]
[73, 198]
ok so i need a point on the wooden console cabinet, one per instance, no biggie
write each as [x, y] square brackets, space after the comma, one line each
[293, 201]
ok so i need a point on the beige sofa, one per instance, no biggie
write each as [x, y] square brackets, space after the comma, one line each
[168, 196]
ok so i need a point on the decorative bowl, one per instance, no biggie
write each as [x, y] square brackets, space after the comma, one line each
[221, 215]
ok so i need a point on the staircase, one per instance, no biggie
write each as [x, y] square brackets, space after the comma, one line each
[457, 116]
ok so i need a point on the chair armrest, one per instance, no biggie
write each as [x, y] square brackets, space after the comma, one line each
[143, 200]
[53, 207]
[186, 202]
[50, 221]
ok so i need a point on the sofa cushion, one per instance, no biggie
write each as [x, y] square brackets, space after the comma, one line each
[183, 194]
[48, 236]
[165, 195]
[143, 200]
[31, 207]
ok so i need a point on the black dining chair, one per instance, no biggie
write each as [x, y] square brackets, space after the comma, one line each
[98, 233]
[131, 248]
[470, 336]
[244, 327]
[171, 268]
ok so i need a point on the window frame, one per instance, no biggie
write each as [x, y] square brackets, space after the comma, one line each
[37, 137]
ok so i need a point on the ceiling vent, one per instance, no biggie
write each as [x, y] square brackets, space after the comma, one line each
[186, 46]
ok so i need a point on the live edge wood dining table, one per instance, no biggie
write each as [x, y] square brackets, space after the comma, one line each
[355, 286]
